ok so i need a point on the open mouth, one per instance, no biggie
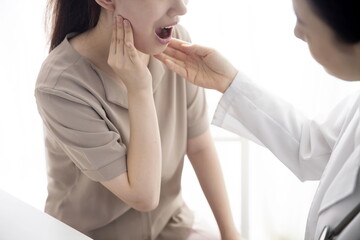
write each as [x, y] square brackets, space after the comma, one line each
[164, 32]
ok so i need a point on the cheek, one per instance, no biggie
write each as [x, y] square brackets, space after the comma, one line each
[140, 24]
[326, 56]
[139, 42]
[147, 43]
[128, 11]
[142, 30]
[149, 46]
[143, 24]
[143, 33]
[318, 52]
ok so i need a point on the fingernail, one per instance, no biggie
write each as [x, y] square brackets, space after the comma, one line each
[119, 19]
[186, 45]
[126, 23]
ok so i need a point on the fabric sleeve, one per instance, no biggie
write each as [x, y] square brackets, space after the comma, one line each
[83, 134]
[303, 145]
[196, 111]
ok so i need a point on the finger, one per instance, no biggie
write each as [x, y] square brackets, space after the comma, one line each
[175, 53]
[163, 56]
[129, 40]
[119, 36]
[189, 48]
[131, 52]
[129, 37]
[174, 65]
[197, 50]
[112, 49]
[177, 43]
[181, 45]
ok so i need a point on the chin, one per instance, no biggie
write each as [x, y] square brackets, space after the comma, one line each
[343, 76]
[152, 50]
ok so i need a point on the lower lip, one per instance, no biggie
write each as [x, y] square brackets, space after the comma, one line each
[164, 41]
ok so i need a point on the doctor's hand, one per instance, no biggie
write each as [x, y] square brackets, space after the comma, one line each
[124, 58]
[199, 65]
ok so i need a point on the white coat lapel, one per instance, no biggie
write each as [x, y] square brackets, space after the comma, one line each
[344, 183]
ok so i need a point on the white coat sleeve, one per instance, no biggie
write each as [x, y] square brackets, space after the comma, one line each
[303, 145]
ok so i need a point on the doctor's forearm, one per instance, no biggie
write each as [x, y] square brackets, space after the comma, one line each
[251, 112]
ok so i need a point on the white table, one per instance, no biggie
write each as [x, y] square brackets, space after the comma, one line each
[19, 221]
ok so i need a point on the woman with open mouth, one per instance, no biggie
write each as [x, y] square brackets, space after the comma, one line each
[118, 124]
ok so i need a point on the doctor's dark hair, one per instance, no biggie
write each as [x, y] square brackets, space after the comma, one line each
[342, 16]
[66, 16]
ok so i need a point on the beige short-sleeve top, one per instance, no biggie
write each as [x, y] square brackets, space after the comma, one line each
[86, 128]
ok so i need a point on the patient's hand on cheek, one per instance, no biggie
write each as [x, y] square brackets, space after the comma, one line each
[124, 59]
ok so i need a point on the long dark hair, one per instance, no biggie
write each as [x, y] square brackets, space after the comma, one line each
[343, 17]
[66, 16]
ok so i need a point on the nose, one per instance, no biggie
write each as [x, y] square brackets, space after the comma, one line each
[178, 7]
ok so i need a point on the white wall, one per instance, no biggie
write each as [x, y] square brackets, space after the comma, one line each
[22, 48]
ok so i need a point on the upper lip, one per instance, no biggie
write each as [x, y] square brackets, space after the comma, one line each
[170, 25]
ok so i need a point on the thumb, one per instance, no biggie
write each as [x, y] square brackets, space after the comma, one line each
[189, 48]
[195, 49]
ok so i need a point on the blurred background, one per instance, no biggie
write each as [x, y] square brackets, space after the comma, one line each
[267, 200]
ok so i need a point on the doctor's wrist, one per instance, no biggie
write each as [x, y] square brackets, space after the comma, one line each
[225, 84]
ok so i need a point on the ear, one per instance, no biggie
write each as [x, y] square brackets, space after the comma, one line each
[107, 4]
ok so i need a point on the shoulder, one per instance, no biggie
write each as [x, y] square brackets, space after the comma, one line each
[65, 72]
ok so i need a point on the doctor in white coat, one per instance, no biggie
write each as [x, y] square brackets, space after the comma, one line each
[328, 151]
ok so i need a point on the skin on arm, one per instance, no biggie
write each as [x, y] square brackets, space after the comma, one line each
[203, 157]
[199, 65]
[139, 187]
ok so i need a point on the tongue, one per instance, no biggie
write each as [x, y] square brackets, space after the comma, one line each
[163, 33]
